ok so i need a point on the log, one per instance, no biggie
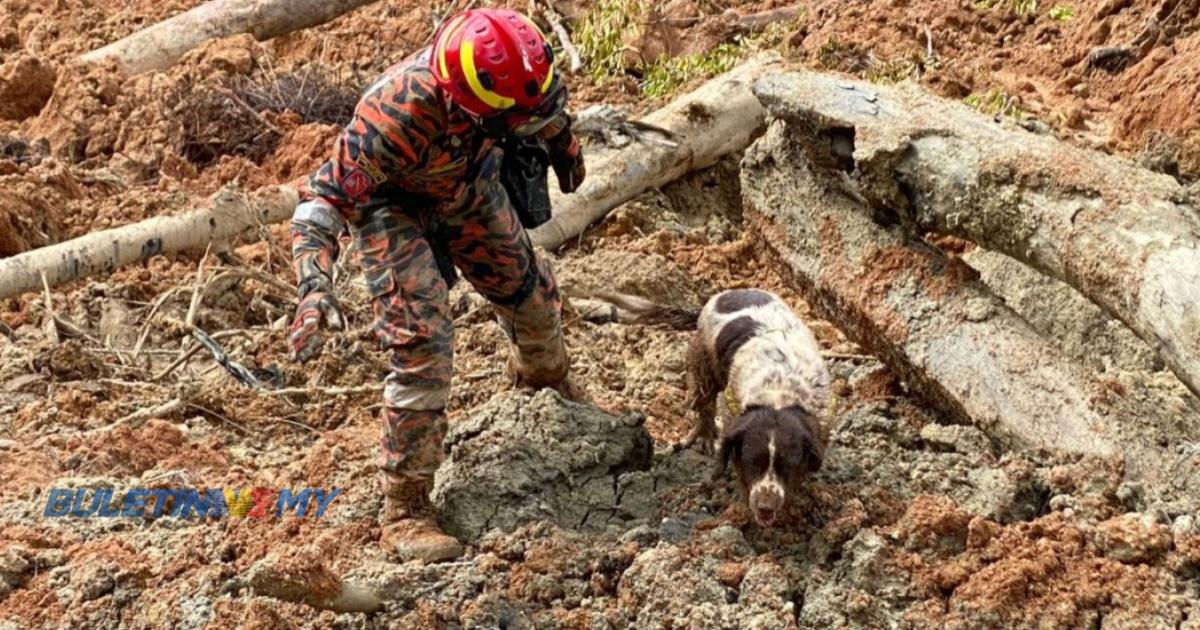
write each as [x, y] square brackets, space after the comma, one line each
[932, 322]
[719, 118]
[227, 216]
[161, 45]
[1126, 238]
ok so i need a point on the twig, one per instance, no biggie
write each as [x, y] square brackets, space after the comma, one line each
[237, 100]
[52, 328]
[120, 353]
[298, 424]
[183, 358]
[141, 415]
[564, 37]
[162, 299]
[256, 274]
[197, 291]
[480, 375]
[60, 322]
[329, 391]
[111, 381]
[165, 475]
[849, 356]
[218, 416]
[929, 54]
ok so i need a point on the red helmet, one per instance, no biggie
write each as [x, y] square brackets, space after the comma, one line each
[491, 61]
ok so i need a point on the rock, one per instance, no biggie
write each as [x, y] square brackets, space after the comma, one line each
[980, 532]
[302, 575]
[1183, 526]
[688, 587]
[1009, 494]
[642, 536]
[14, 564]
[1133, 538]
[521, 459]
[934, 523]
[956, 438]
[26, 84]
[866, 590]
[1131, 494]
[95, 580]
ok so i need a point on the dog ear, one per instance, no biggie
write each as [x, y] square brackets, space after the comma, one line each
[814, 450]
[814, 454]
[805, 447]
[731, 441]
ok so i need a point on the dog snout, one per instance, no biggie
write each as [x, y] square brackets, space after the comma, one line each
[766, 503]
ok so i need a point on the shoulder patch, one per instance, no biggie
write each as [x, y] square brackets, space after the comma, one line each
[356, 184]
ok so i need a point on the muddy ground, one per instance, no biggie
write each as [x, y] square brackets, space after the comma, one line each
[913, 522]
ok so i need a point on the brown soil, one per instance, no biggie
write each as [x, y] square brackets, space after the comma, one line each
[83, 149]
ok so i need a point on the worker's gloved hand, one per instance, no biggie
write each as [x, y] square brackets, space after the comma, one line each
[317, 309]
[566, 157]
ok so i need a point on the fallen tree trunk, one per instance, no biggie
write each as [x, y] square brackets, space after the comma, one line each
[228, 216]
[161, 45]
[721, 117]
[1124, 237]
[931, 321]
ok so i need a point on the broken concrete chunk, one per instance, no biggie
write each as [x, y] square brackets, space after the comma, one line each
[14, 564]
[957, 438]
[302, 576]
[688, 587]
[520, 459]
[1133, 538]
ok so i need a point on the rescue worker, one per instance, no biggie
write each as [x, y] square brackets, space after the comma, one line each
[416, 177]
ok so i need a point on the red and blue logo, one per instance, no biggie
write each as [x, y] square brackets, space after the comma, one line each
[189, 502]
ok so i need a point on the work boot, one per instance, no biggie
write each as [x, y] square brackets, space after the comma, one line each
[530, 379]
[409, 529]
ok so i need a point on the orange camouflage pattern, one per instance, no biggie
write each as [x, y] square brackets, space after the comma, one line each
[406, 163]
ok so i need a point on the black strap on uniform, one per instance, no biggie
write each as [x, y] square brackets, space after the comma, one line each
[526, 290]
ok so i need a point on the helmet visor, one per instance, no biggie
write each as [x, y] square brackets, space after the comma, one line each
[524, 123]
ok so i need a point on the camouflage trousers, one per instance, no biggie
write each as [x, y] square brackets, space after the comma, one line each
[412, 312]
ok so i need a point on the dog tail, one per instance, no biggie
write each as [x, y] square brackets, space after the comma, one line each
[636, 310]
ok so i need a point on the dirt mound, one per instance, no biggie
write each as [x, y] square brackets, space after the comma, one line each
[514, 448]
[1031, 59]
[26, 84]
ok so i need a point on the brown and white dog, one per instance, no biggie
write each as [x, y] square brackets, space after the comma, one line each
[750, 343]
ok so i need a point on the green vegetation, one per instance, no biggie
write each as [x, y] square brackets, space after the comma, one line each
[837, 55]
[893, 70]
[995, 103]
[1062, 13]
[1020, 7]
[666, 77]
[604, 30]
